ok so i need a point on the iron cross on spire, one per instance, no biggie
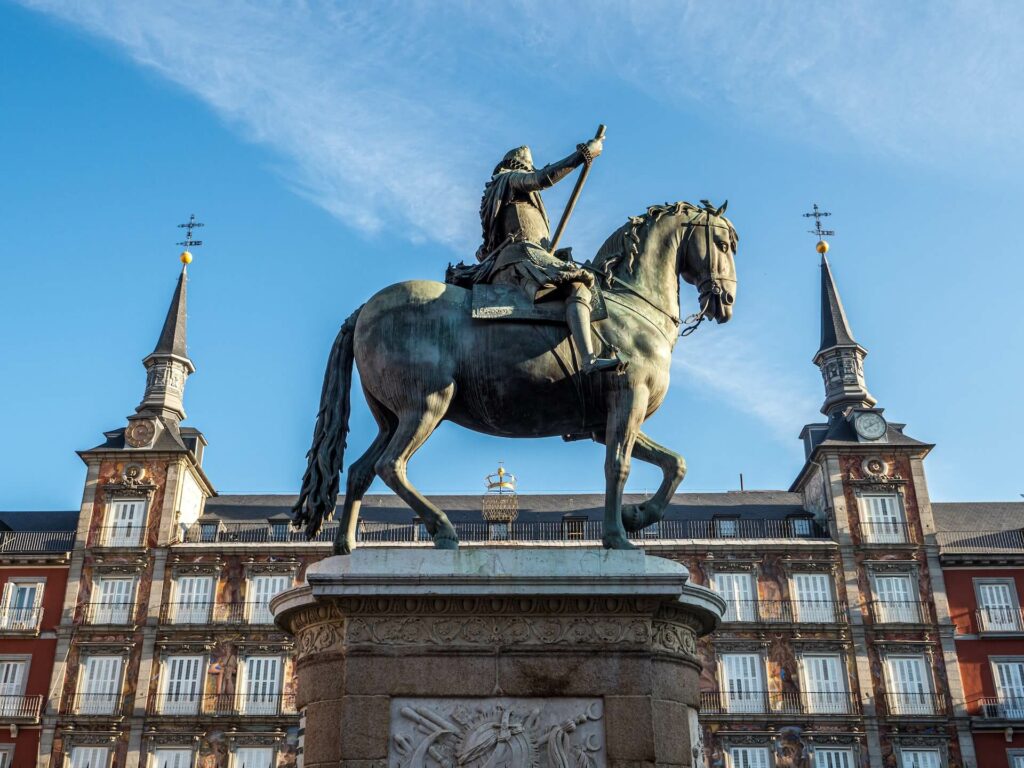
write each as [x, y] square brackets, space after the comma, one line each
[188, 242]
[817, 214]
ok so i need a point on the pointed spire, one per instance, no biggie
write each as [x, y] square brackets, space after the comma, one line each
[835, 328]
[172, 337]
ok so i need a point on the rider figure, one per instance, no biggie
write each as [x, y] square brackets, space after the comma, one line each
[517, 237]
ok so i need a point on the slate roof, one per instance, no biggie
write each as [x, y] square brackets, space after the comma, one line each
[39, 521]
[750, 505]
[172, 335]
[835, 328]
[978, 515]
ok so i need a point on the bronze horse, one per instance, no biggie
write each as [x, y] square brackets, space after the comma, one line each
[422, 358]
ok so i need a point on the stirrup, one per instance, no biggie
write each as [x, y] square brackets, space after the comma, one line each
[600, 364]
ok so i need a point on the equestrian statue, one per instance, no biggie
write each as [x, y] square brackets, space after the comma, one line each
[524, 343]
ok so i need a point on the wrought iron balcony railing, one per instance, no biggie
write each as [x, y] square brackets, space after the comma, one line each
[253, 613]
[110, 613]
[100, 704]
[786, 611]
[887, 533]
[32, 542]
[899, 612]
[553, 530]
[915, 704]
[1000, 619]
[778, 702]
[20, 709]
[245, 704]
[998, 708]
[123, 535]
[981, 542]
[20, 619]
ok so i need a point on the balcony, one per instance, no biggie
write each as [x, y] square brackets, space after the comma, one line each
[251, 613]
[998, 708]
[1000, 619]
[20, 619]
[98, 704]
[554, 530]
[778, 703]
[915, 704]
[36, 542]
[898, 612]
[251, 704]
[887, 533]
[20, 709]
[110, 613]
[127, 536]
[786, 611]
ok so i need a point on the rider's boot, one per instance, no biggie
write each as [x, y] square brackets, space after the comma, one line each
[577, 314]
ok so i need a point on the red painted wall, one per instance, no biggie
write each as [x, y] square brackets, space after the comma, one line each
[26, 746]
[991, 748]
[53, 596]
[963, 602]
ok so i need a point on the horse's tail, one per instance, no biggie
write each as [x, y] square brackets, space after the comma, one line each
[319, 494]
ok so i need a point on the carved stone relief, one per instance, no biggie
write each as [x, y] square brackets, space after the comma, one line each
[493, 732]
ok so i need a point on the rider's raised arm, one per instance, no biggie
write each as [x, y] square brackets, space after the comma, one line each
[549, 175]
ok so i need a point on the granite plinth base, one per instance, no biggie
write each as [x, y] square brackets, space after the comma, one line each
[498, 657]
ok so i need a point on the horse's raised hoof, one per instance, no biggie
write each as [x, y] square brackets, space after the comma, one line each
[344, 545]
[616, 541]
[444, 541]
[634, 517]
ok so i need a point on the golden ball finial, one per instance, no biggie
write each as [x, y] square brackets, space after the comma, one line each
[186, 257]
[821, 247]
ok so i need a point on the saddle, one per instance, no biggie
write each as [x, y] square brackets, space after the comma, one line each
[507, 302]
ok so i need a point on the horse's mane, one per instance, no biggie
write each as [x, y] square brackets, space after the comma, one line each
[623, 245]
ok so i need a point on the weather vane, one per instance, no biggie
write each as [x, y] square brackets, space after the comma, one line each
[817, 214]
[188, 242]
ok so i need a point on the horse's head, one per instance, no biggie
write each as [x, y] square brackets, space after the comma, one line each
[706, 259]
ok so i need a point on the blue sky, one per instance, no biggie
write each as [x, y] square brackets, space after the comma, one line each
[333, 148]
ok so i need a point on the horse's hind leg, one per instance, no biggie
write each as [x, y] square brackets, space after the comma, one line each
[415, 425]
[625, 415]
[673, 468]
[360, 476]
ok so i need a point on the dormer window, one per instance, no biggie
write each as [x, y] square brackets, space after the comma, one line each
[800, 525]
[278, 529]
[208, 531]
[727, 527]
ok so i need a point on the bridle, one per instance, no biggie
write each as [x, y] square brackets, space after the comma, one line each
[712, 278]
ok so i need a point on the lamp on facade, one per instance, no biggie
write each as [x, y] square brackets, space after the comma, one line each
[500, 504]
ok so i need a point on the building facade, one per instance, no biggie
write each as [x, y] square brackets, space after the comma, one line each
[855, 637]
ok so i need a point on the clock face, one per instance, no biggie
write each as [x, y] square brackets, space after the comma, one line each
[869, 425]
[139, 433]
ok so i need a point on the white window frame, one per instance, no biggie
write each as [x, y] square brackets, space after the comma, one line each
[86, 761]
[85, 707]
[14, 668]
[905, 763]
[891, 531]
[175, 696]
[748, 697]
[130, 535]
[909, 612]
[1010, 704]
[728, 586]
[910, 702]
[817, 700]
[764, 761]
[240, 753]
[154, 756]
[6, 755]
[114, 613]
[194, 612]
[1015, 758]
[22, 618]
[819, 609]
[822, 757]
[257, 609]
[996, 618]
[268, 699]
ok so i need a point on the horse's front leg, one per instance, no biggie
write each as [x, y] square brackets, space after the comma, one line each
[636, 517]
[626, 411]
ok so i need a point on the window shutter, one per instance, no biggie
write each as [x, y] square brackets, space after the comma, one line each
[896, 600]
[998, 606]
[172, 758]
[748, 757]
[101, 684]
[908, 680]
[882, 518]
[744, 688]
[125, 524]
[1010, 689]
[183, 684]
[919, 758]
[833, 758]
[825, 687]
[262, 684]
[253, 757]
[12, 686]
[738, 591]
[115, 601]
[89, 757]
[194, 600]
[814, 601]
[265, 587]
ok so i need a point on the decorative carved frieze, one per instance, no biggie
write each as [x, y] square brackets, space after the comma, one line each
[132, 484]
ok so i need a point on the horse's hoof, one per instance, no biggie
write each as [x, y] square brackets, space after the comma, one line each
[344, 547]
[616, 541]
[442, 541]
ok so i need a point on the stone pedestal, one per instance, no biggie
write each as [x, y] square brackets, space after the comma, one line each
[498, 657]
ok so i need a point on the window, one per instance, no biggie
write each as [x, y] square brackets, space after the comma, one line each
[6, 755]
[896, 599]
[422, 534]
[825, 683]
[727, 527]
[99, 688]
[1015, 757]
[743, 682]
[12, 687]
[261, 686]
[253, 757]
[1009, 675]
[193, 600]
[182, 685]
[112, 601]
[279, 530]
[881, 520]
[498, 531]
[652, 531]
[176, 757]
[89, 757]
[748, 757]
[208, 532]
[125, 520]
[813, 598]
[919, 758]
[574, 527]
[910, 691]
[833, 758]
[800, 526]
[261, 589]
[738, 591]
[998, 609]
[21, 607]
